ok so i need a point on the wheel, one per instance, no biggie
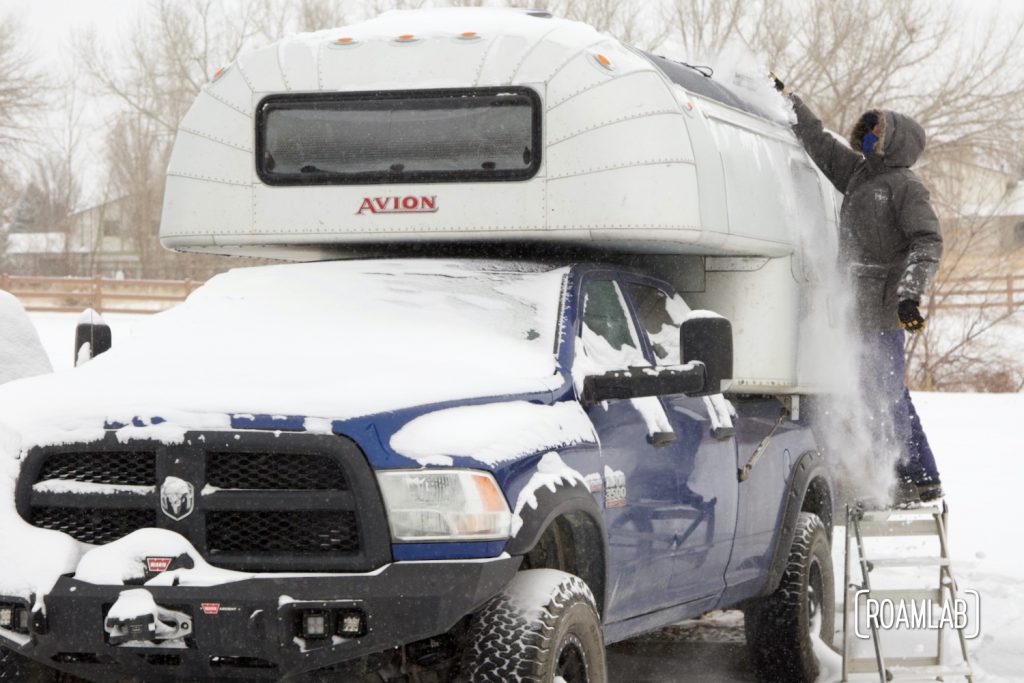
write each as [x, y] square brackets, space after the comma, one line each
[779, 627]
[542, 628]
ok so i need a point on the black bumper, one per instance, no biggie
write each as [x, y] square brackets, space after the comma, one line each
[252, 634]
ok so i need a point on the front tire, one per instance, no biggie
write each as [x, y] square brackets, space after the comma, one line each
[544, 625]
[15, 668]
[779, 626]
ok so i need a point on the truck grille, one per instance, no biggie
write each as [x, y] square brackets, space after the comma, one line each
[247, 501]
[92, 525]
[299, 472]
[267, 532]
[128, 468]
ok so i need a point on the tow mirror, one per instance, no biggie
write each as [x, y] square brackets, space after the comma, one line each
[640, 382]
[92, 337]
[707, 337]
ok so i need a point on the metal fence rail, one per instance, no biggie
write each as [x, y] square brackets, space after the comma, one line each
[74, 294]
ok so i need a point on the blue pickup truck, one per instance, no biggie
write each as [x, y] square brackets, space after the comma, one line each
[415, 470]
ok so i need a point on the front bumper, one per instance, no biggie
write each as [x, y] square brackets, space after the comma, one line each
[251, 633]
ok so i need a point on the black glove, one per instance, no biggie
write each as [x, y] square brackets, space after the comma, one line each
[910, 316]
[779, 85]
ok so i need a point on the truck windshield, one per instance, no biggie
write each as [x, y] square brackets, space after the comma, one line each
[398, 137]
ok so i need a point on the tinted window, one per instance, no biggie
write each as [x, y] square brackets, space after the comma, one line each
[696, 82]
[661, 317]
[396, 137]
[609, 340]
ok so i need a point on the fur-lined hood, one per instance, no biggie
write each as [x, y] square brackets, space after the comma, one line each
[901, 139]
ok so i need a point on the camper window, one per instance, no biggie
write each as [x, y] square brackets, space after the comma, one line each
[481, 134]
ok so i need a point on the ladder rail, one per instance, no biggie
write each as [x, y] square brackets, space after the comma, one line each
[879, 524]
[943, 520]
[865, 571]
[846, 599]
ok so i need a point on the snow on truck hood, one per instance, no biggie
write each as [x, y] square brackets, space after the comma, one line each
[332, 340]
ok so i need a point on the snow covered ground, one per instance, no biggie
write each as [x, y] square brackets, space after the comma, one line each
[979, 445]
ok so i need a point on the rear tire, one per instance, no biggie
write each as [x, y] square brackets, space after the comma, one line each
[544, 625]
[779, 626]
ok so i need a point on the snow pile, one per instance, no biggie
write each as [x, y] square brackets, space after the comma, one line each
[743, 72]
[331, 340]
[21, 352]
[124, 560]
[51, 552]
[492, 433]
[551, 473]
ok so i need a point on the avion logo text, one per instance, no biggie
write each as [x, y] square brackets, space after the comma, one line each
[407, 204]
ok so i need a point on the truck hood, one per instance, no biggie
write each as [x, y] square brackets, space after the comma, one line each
[332, 340]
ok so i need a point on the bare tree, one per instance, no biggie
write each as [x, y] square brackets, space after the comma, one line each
[18, 88]
[845, 57]
[18, 98]
[314, 15]
[704, 27]
[967, 304]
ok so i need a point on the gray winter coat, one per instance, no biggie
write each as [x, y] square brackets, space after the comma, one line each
[889, 237]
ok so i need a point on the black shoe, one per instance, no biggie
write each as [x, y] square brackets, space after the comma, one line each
[906, 493]
[929, 491]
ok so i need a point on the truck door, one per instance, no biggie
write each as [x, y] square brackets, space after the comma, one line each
[640, 542]
[694, 462]
[650, 514]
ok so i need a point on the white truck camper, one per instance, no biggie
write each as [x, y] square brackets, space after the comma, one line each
[445, 127]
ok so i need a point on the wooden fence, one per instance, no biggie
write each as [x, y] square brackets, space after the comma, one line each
[75, 294]
[72, 294]
[987, 291]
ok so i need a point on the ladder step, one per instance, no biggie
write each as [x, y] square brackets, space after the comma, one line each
[897, 513]
[910, 673]
[910, 527]
[908, 562]
[935, 595]
[908, 667]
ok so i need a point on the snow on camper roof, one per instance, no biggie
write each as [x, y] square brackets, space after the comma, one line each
[694, 80]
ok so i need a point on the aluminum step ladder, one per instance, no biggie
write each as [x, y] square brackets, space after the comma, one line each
[920, 520]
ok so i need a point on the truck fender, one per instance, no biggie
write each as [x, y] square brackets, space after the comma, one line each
[575, 503]
[809, 490]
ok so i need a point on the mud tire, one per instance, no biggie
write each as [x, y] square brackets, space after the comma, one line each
[544, 624]
[14, 667]
[778, 627]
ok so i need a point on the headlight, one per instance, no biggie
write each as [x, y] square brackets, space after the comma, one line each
[444, 505]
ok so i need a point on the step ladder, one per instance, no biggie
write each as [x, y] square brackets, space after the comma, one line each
[920, 520]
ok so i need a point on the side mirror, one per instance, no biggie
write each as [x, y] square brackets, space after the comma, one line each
[92, 337]
[707, 337]
[640, 382]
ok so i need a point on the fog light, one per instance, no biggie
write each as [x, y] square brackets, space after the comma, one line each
[315, 624]
[21, 619]
[6, 617]
[351, 624]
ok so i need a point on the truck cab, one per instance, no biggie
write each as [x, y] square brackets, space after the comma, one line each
[580, 439]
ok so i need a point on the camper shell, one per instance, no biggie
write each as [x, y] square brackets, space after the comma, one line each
[468, 128]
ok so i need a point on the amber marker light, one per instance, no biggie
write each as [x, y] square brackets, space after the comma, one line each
[603, 62]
